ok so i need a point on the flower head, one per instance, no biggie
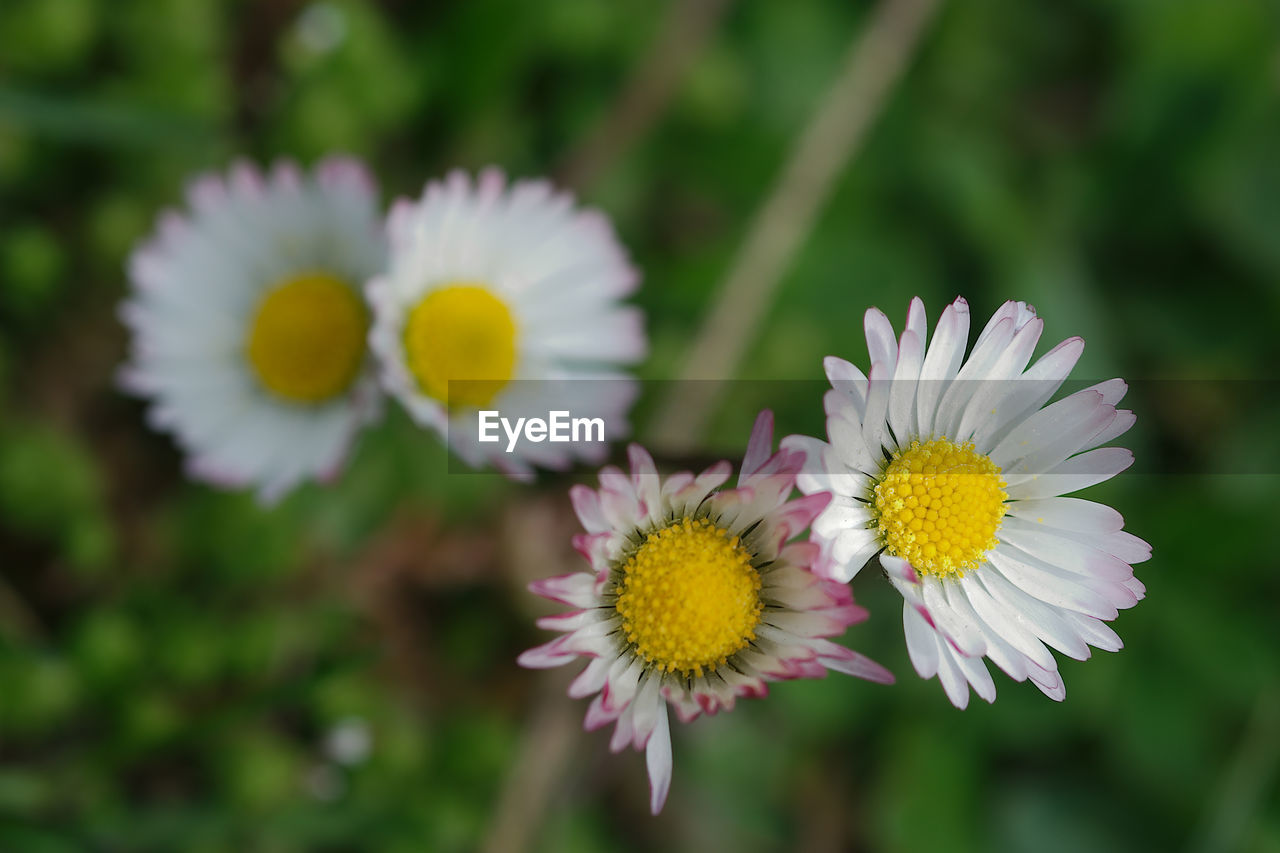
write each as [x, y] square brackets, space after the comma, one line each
[500, 297]
[954, 471]
[249, 325]
[694, 597]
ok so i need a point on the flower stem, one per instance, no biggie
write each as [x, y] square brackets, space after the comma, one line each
[873, 64]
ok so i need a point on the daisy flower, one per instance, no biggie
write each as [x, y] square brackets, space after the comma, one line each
[694, 597]
[249, 326]
[954, 471]
[503, 297]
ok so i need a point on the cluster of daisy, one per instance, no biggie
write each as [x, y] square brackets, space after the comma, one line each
[269, 319]
[271, 316]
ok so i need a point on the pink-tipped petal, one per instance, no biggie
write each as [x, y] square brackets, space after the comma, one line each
[759, 446]
[546, 656]
[576, 589]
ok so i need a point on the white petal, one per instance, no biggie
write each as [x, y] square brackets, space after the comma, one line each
[645, 481]
[850, 443]
[1069, 514]
[800, 598]
[592, 678]
[576, 589]
[647, 706]
[759, 446]
[1069, 553]
[881, 345]
[955, 400]
[657, 759]
[572, 620]
[624, 680]
[547, 655]
[1095, 632]
[953, 681]
[624, 729]
[1125, 547]
[839, 370]
[586, 503]
[820, 464]
[1050, 684]
[1059, 590]
[849, 381]
[1017, 313]
[975, 672]
[1042, 619]
[984, 405]
[941, 362]
[1125, 419]
[1001, 652]
[839, 659]
[1008, 624]
[1078, 472]
[903, 392]
[1067, 424]
[843, 514]
[1112, 390]
[851, 549]
[804, 625]
[875, 426]
[966, 637]
[922, 647]
[1031, 391]
[911, 349]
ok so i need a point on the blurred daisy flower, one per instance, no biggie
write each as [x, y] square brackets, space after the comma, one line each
[694, 598]
[953, 470]
[249, 326]
[504, 297]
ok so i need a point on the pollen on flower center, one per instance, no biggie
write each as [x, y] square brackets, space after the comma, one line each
[460, 343]
[307, 338]
[689, 597]
[939, 505]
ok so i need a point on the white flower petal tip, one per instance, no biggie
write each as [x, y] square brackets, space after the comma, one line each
[248, 326]
[657, 759]
[954, 468]
[694, 597]
[505, 297]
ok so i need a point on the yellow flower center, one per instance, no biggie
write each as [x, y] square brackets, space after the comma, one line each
[939, 505]
[460, 342]
[689, 597]
[307, 339]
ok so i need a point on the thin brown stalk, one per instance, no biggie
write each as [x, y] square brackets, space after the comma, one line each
[681, 38]
[545, 752]
[873, 64]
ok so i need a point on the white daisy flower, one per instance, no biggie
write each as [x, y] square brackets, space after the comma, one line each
[249, 326]
[502, 297]
[953, 472]
[694, 597]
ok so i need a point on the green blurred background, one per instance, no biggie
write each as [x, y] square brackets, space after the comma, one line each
[181, 669]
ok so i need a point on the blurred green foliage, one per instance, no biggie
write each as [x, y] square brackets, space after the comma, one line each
[174, 661]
